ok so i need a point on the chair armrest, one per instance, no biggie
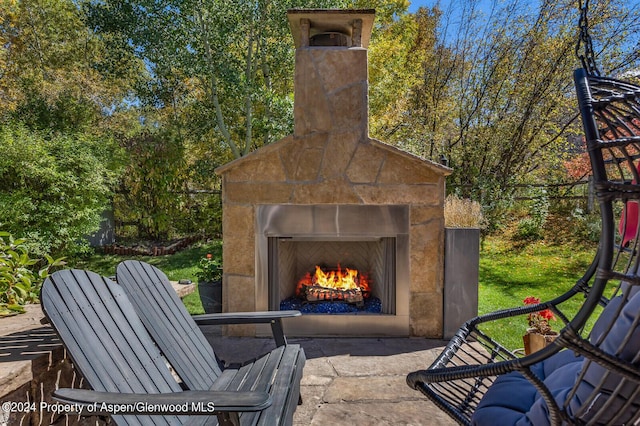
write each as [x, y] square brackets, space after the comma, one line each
[187, 402]
[514, 312]
[243, 317]
[270, 317]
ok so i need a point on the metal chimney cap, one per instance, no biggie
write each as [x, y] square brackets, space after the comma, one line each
[331, 20]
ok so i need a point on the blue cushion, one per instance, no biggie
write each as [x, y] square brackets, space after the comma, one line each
[545, 368]
[613, 343]
[611, 312]
[559, 383]
[512, 399]
[499, 402]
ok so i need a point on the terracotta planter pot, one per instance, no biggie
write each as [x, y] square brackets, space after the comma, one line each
[535, 341]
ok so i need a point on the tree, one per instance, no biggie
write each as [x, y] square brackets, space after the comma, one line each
[223, 68]
[412, 78]
[52, 73]
[53, 189]
[512, 99]
[220, 85]
[488, 88]
[153, 187]
[59, 98]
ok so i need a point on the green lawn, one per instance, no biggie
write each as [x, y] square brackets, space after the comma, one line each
[508, 274]
[182, 265]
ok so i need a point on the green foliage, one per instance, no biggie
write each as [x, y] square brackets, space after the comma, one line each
[219, 69]
[209, 268]
[528, 228]
[586, 226]
[19, 281]
[154, 183]
[572, 224]
[60, 112]
[54, 188]
[49, 62]
[411, 97]
[531, 226]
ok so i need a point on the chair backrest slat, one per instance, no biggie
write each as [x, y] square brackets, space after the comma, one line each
[169, 322]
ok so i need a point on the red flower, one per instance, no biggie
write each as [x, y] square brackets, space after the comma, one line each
[209, 255]
[539, 321]
[530, 300]
[547, 314]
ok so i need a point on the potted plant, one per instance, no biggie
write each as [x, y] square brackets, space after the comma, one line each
[539, 333]
[210, 283]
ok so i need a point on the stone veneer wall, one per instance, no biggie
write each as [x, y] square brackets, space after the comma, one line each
[320, 170]
[330, 159]
[33, 364]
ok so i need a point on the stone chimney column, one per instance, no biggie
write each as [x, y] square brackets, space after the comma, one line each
[331, 76]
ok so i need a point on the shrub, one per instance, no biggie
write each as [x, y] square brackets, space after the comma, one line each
[528, 228]
[462, 213]
[587, 226]
[19, 282]
[154, 185]
[53, 189]
[531, 227]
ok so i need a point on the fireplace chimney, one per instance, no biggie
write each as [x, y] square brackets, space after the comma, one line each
[331, 87]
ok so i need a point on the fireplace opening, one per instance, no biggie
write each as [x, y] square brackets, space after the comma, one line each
[333, 290]
[333, 277]
[295, 240]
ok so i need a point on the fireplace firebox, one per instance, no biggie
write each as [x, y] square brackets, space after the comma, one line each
[352, 275]
[293, 241]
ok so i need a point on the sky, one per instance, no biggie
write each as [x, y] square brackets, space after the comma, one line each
[455, 6]
[444, 4]
[415, 4]
[452, 9]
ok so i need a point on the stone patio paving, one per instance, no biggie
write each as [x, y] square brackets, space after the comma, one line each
[347, 381]
[352, 381]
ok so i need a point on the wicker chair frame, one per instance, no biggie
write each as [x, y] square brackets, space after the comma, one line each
[470, 363]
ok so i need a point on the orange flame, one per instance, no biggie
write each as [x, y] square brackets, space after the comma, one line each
[339, 279]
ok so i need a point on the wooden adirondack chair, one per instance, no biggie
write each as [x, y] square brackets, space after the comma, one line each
[586, 375]
[178, 336]
[110, 346]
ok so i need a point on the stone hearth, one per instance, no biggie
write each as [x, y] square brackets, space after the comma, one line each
[331, 160]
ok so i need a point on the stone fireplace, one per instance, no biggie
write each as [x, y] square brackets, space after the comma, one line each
[329, 196]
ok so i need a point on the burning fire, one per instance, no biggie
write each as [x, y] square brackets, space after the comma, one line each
[342, 280]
